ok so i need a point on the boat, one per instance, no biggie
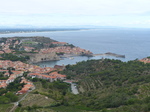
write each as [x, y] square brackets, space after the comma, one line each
[71, 58]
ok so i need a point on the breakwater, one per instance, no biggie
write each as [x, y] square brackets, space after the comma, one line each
[110, 54]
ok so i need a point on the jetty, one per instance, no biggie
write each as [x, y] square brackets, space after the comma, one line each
[110, 54]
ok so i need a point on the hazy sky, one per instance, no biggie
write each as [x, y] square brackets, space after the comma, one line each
[41, 13]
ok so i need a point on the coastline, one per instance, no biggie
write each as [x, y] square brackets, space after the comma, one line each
[43, 31]
[73, 59]
[112, 45]
[62, 57]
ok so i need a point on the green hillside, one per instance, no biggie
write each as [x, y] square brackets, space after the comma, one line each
[112, 85]
[105, 86]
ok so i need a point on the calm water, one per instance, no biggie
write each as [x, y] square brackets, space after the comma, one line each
[133, 43]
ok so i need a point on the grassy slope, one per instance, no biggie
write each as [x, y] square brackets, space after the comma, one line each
[37, 99]
[5, 107]
[42, 101]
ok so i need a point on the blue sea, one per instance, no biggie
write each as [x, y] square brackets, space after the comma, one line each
[133, 43]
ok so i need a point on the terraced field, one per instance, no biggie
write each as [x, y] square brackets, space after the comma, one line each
[36, 99]
[5, 107]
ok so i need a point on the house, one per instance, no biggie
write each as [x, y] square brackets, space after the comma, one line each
[59, 76]
[3, 85]
[21, 92]
[59, 67]
[18, 73]
[59, 43]
[33, 75]
[4, 71]
[28, 49]
[50, 78]
[28, 85]
[3, 81]
[6, 74]
[11, 79]
[145, 60]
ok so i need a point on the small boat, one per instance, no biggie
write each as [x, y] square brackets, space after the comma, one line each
[71, 58]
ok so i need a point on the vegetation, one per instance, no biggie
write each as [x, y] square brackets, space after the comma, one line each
[70, 45]
[60, 53]
[5, 107]
[45, 96]
[13, 57]
[2, 77]
[59, 86]
[105, 86]
[111, 84]
[13, 86]
[7, 95]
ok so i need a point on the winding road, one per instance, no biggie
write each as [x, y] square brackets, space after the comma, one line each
[16, 103]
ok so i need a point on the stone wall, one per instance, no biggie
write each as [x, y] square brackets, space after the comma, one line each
[43, 57]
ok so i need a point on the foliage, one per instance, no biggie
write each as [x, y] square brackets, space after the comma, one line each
[13, 57]
[60, 53]
[2, 77]
[2, 91]
[5, 107]
[108, 86]
[11, 96]
[7, 98]
[15, 86]
[109, 83]
[70, 45]
[52, 45]
[56, 85]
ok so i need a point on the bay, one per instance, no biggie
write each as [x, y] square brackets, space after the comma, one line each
[133, 43]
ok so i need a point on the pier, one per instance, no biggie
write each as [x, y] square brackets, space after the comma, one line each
[110, 54]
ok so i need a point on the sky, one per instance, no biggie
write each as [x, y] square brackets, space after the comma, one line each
[56, 13]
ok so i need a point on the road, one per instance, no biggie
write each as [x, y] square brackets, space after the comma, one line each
[74, 88]
[16, 103]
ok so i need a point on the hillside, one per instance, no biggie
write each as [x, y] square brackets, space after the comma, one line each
[112, 84]
[105, 86]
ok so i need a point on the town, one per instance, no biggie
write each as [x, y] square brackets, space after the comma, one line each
[19, 68]
[40, 48]
[145, 60]
[37, 49]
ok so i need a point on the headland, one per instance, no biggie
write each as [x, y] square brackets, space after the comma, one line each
[38, 49]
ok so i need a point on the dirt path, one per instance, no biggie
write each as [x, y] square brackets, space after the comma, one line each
[16, 103]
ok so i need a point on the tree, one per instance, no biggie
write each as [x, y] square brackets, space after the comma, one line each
[11, 96]
[4, 100]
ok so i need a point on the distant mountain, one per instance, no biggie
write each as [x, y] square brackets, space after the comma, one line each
[30, 28]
